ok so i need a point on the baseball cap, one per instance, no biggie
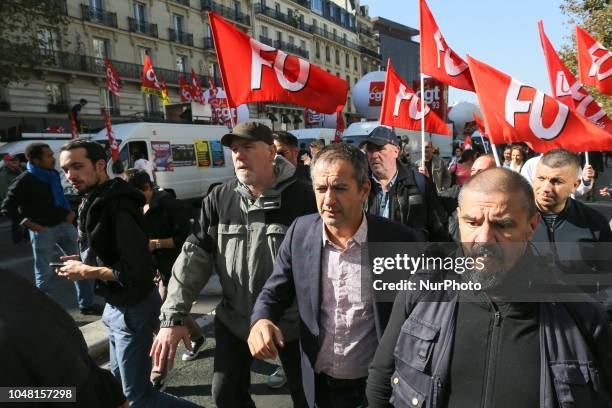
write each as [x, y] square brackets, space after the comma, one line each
[381, 136]
[249, 130]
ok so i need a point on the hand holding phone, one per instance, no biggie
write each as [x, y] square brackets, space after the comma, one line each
[56, 265]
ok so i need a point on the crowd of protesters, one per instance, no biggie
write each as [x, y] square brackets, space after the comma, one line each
[286, 238]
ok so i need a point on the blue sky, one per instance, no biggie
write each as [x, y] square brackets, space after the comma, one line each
[502, 33]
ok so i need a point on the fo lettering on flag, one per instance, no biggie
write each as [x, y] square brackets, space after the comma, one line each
[515, 112]
[112, 78]
[401, 107]
[594, 62]
[266, 74]
[437, 59]
[185, 92]
[567, 90]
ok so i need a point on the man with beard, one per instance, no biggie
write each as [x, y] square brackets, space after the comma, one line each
[241, 227]
[114, 250]
[492, 348]
[399, 193]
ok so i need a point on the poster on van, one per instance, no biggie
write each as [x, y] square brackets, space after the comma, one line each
[183, 155]
[162, 155]
[202, 153]
[216, 151]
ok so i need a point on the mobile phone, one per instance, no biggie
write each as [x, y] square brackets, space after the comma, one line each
[56, 264]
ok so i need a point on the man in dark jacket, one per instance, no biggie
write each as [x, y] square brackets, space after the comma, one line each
[36, 200]
[287, 146]
[114, 249]
[52, 351]
[399, 193]
[505, 345]
[8, 174]
[319, 265]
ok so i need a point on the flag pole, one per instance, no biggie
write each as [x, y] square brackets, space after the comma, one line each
[423, 120]
[586, 158]
[484, 144]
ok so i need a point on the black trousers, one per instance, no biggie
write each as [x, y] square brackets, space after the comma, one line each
[232, 370]
[331, 393]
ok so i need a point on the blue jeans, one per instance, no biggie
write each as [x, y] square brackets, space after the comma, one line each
[130, 335]
[44, 248]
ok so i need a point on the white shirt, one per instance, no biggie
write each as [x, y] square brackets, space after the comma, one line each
[144, 164]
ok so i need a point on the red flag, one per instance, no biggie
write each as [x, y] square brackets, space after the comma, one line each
[448, 68]
[112, 142]
[185, 90]
[594, 62]
[340, 126]
[255, 72]
[400, 107]
[112, 78]
[149, 84]
[196, 89]
[515, 112]
[165, 97]
[480, 124]
[566, 89]
[73, 127]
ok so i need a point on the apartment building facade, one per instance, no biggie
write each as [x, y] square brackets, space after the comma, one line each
[176, 35]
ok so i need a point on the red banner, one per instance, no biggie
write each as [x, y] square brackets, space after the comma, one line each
[255, 72]
[340, 126]
[566, 89]
[401, 107]
[594, 62]
[515, 112]
[149, 83]
[437, 59]
[196, 88]
[112, 78]
[112, 142]
[185, 90]
[73, 126]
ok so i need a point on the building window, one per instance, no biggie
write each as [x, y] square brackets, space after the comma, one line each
[317, 6]
[343, 18]
[325, 28]
[264, 31]
[96, 4]
[347, 60]
[303, 45]
[279, 36]
[143, 52]
[277, 8]
[181, 63]
[327, 55]
[318, 50]
[140, 13]
[331, 10]
[355, 63]
[55, 98]
[337, 57]
[314, 23]
[48, 39]
[177, 23]
[152, 104]
[101, 48]
[109, 100]
[291, 40]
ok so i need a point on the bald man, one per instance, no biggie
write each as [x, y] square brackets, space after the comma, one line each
[487, 347]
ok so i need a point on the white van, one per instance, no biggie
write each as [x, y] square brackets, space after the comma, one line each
[307, 136]
[359, 131]
[189, 159]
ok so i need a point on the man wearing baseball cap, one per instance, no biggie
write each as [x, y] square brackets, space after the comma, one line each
[241, 227]
[400, 193]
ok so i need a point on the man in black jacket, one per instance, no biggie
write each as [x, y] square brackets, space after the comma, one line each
[287, 146]
[505, 345]
[114, 249]
[36, 200]
[399, 193]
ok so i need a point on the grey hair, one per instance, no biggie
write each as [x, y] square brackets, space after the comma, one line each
[502, 180]
[346, 152]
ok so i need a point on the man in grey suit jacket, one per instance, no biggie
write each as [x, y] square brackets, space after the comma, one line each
[319, 264]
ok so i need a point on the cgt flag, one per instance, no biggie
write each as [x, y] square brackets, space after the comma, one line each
[266, 74]
[164, 92]
[150, 84]
[437, 59]
[515, 112]
[566, 89]
[185, 90]
[197, 92]
[112, 142]
[400, 107]
[594, 62]
[112, 78]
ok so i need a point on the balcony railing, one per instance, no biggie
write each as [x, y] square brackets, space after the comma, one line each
[61, 5]
[183, 2]
[303, 3]
[112, 110]
[292, 48]
[285, 18]
[371, 53]
[180, 37]
[227, 12]
[97, 15]
[266, 40]
[367, 33]
[335, 37]
[142, 27]
[80, 63]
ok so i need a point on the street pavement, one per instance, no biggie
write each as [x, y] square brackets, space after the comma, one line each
[191, 380]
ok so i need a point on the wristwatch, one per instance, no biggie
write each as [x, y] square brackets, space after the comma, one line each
[171, 323]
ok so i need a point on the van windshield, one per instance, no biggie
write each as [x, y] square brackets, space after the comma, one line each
[107, 147]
